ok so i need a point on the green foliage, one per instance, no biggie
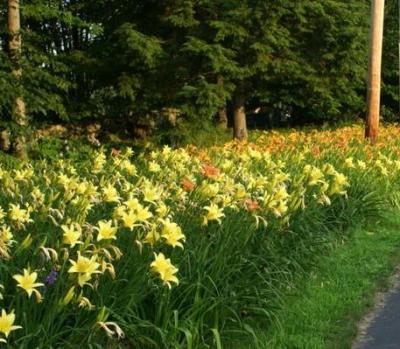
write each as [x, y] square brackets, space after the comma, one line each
[52, 32]
[315, 313]
[130, 80]
[200, 133]
[233, 276]
[390, 64]
[321, 71]
[202, 99]
[52, 149]
[7, 90]
[129, 60]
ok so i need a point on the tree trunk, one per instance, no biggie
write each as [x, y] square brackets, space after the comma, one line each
[223, 117]
[239, 114]
[14, 46]
[222, 114]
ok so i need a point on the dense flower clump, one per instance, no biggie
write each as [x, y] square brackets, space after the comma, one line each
[67, 231]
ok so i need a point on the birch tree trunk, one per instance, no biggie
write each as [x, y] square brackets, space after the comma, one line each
[14, 49]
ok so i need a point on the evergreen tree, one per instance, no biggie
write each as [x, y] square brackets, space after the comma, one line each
[134, 60]
[47, 57]
[390, 63]
[229, 41]
[322, 74]
[311, 57]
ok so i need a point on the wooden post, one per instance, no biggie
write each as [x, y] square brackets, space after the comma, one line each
[374, 75]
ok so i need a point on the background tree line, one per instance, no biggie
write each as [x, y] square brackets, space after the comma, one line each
[135, 62]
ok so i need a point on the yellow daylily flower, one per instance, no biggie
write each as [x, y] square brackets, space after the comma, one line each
[63, 179]
[143, 213]
[85, 267]
[27, 282]
[129, 219]
[209, 190]
[349, 162]
[99, 162]
[119, 211]
[214, 213]
[106, 230]
[6, 235]
[110, 194]
[165, 269]
[132, 203]
[154, 167]
[72, 234]
[361, 165]
[129, 167]
[7, 323]
[281, 193]
[152, 237]
[240, 192]
[280, 209]
[339, 184]
[162, 209]
[172, 233]
[37, 195]
[315, 176]
[151, 194]
[18, 214]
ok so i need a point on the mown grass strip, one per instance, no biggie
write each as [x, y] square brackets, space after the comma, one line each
[324, 309]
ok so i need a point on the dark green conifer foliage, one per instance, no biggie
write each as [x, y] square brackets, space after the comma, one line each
[130, 60]
[53, 34]
[322, 73]
[390, 63]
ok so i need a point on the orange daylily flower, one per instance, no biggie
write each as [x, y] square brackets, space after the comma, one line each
[209, 171]
[187, 185]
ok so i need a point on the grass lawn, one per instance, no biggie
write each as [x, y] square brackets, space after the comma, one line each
[324, 309]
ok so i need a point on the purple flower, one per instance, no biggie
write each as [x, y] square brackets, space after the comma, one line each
[51, 278]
